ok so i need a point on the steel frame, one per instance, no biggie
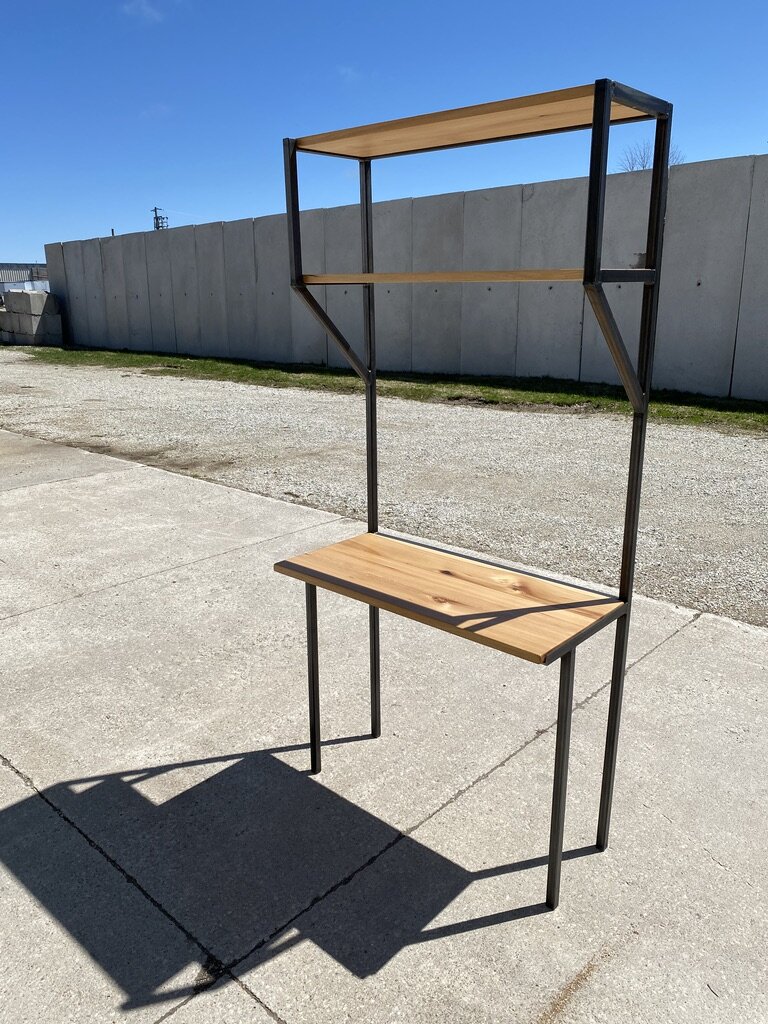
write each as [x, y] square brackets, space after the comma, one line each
[636, 382]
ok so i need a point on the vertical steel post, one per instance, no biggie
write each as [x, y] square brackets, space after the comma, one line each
[313, 673]
[560, 787]
[369, 329]
[294, 256]
[598, 170]
[648, 317]
[292, 210]
[373, 631]
[371, 450]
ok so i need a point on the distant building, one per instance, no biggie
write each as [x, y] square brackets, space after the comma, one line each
[28, 276]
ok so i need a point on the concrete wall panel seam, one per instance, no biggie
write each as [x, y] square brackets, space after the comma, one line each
[137, 288]
[329, 343]
[581, 334]
[211, 278]
[462, 263]
[750, 371]
[741, 280]
[76, 301]
[410, 318]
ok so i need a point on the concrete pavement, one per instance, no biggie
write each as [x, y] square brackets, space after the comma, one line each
[164, 854]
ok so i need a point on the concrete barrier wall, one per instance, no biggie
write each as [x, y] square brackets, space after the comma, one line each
[222, 289]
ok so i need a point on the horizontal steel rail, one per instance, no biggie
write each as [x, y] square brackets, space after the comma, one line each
[642, 275]
[650, 105]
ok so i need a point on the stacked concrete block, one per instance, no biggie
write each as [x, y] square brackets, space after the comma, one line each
[30, 318]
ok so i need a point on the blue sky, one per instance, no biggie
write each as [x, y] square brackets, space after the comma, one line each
[118, 105]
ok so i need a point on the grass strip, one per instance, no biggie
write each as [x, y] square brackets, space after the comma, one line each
[542, 393]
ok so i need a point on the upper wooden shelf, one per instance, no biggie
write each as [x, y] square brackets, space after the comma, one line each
[533, 618]
[540, 114]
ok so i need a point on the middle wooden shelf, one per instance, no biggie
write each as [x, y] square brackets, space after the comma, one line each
[450, 276]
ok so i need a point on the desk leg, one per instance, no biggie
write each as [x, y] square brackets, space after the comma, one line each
[612, 733]
[564, 710]
[373, 625]
[314, 678]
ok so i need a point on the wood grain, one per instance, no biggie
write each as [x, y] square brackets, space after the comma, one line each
[450, 276]
[561, 110]
[522, 614]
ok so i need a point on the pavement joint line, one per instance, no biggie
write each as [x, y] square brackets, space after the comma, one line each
[249, 992]
[63, 480]
[406, 833]
[135, 463]
[61, 443]
[541, 732]
[168, 568]
[173, 1010]
[275, 1016]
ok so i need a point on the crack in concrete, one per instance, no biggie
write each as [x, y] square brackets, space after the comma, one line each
[714, 858]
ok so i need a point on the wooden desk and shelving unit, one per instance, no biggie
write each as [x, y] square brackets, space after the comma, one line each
[538, 619]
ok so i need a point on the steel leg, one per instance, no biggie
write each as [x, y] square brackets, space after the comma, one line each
[314, 678]
[564, 709]
[373, 623]
[612, 733]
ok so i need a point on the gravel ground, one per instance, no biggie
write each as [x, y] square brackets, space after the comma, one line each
[542, 488]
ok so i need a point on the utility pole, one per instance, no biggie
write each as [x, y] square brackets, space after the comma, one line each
[161, 221]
